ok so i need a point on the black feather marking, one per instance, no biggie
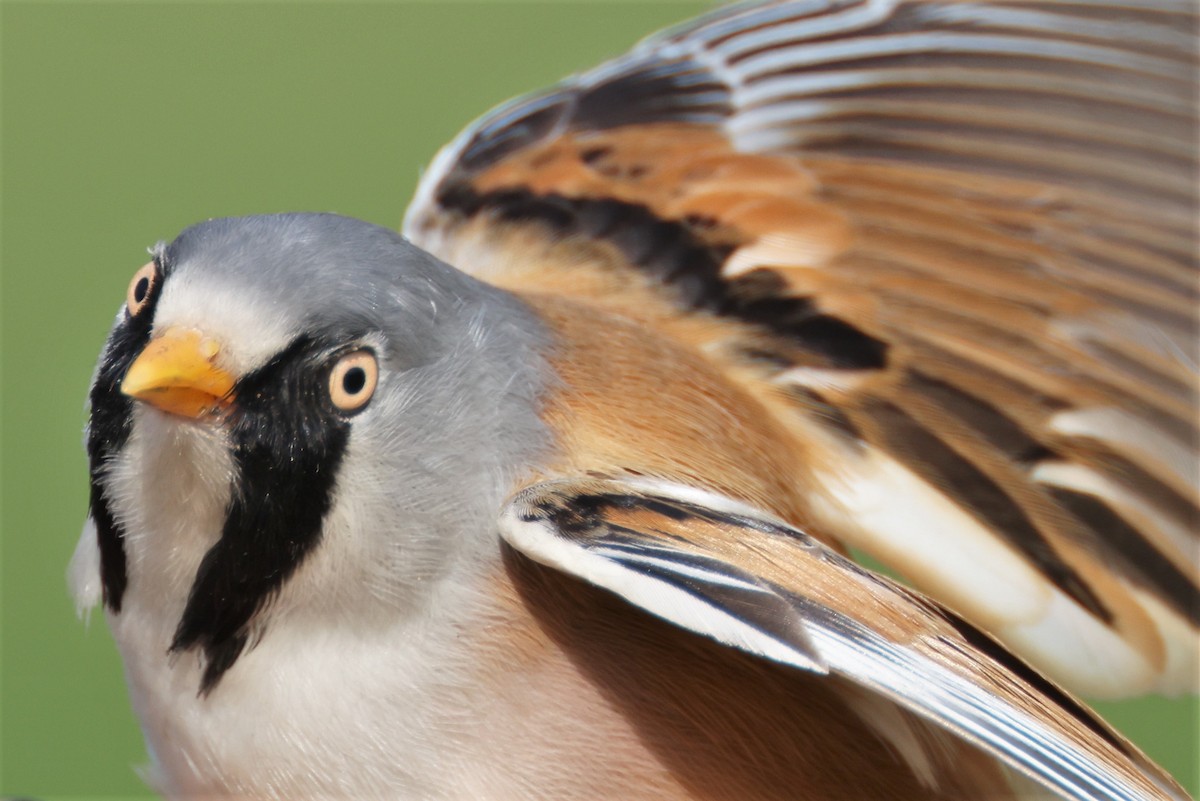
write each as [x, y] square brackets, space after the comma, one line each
[994, 426]
[769, 357]
[679, 258]
[1143, 561]
[1159, 494]
[841, 344]
[734, 592]
[945, 468]
[594, 155]
[524, 124]
[978, 641]
[578, 516]
[658, 91]
[600, 218]
[819, 407]
[983, 643]
[289, 441]
[110, 422]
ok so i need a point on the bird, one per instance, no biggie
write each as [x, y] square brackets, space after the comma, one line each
[565, 489]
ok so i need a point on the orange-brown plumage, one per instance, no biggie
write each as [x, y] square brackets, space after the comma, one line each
[600, 361]
[977, 291]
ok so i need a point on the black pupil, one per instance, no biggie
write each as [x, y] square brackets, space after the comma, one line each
[354, 380]
[141, 289]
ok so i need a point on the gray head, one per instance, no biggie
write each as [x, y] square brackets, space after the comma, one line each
[279, 277]
[362, 405]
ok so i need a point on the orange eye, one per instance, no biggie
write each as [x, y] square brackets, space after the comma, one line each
[352, 381]
[141, 288]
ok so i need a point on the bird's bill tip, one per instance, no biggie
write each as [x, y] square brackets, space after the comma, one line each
[177, 373]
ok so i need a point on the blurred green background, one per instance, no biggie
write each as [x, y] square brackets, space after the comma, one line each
[121, 123]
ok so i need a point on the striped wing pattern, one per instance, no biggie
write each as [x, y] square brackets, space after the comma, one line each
[713, 566]
[951, 244]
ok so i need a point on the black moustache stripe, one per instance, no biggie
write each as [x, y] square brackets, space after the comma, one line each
[109, 426]
[288, 445]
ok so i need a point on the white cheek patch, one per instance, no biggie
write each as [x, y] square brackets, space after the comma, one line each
[249, 329]
[168, 491]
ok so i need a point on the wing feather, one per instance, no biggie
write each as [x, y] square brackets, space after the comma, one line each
[715, 567]
[959, 235]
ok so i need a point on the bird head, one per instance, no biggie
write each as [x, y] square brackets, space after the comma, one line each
[303, 414]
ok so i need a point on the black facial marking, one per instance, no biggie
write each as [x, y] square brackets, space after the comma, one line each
[109, 425]
[113, 575]
[288, 441]
[686, 263]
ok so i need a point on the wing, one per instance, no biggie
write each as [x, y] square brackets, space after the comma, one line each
[950, 244]
[718, 568]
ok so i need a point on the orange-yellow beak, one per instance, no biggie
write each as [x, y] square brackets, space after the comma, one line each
[177, 373]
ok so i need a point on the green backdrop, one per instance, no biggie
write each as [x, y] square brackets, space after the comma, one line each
[123, 123]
